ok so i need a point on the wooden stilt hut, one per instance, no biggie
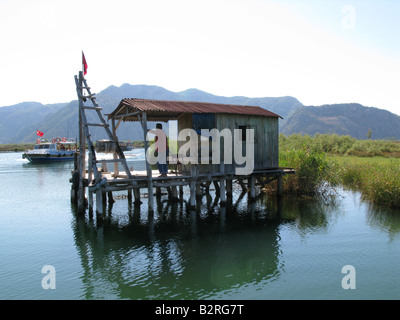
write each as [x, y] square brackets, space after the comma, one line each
[221, 143]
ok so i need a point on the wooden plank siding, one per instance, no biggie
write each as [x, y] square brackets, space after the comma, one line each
[266, 137]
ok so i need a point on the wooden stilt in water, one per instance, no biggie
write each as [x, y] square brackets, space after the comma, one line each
[180, 193]
[136, 193]
[252, 187]
[148, 168]
[158, 193]
[81, 160]
[111, 198]
[244, 188]
[99, 202]
[279, 185]
[174, 194]
[90, 200]
[229, 188]
[192, 199]
[222, 185]
[217, 190]
[75, 180]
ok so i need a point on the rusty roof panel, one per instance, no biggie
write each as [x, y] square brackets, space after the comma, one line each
[171, 109]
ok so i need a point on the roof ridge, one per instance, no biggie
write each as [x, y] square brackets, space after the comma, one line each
[202, 102]
[176, 106]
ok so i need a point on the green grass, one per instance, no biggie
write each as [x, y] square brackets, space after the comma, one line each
[18, 147]
[316, 173]
[377, 178]
[369, 166]
[340, 145]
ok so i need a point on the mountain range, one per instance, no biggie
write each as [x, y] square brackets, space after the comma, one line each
[18, 123]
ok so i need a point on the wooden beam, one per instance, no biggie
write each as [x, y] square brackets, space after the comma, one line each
[82, 148]
[121, 116]
[252, 186]
[192, 186]
[222, 184]
[148, 168]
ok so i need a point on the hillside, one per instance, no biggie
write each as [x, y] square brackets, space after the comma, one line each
[65, 121]
[18, 123]
[14, 117]
[344, 119]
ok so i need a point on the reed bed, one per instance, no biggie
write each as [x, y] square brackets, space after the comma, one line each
[325, 161]
[377, 179]
[315, 174]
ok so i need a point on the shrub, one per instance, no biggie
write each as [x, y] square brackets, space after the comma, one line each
[315, 173]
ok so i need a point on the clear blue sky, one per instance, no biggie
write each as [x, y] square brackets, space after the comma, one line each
[321, 52]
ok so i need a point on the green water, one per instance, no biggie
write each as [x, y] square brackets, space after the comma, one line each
[288, 249]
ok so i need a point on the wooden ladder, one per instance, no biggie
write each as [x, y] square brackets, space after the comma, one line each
[85, 137]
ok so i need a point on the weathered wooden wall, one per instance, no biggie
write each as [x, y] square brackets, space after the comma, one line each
[266, 139]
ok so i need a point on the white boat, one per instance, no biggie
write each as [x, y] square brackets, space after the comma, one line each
[56, 150]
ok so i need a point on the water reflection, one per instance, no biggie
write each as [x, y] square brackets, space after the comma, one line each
[384, 219]
[177, 253]
[311, 215]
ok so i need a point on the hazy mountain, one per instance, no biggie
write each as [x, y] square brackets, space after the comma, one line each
[18, 123]
[16, 117]
[64, 122]
[344, 119]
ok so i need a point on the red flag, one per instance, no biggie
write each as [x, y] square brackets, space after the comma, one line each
[84, 64]
[39, 133]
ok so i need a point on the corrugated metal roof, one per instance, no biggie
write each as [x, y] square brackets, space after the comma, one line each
[166, 109]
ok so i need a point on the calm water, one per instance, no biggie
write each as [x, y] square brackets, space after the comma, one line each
[293, 249]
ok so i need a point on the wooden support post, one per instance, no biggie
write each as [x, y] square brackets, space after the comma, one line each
[82, 152]
[104, 197]
[207, 187]
[199, 194]
[136, 193]
[158, 193]
[115, 156]
[75, 181]
[216, 186]
[222, 185]
[130, 195]
[90, 201]
[252, 187]
[279, 185]
[173, 195]
[89, 179]
[192, 199]
[148, 168]
[244, 189]
[181, 193]
[229, 188]
[99, 202]
[111, 198]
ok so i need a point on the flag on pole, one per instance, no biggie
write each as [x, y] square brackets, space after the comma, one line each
[84, 64]
[39, 133]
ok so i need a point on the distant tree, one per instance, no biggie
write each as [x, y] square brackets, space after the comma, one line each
[369, 134]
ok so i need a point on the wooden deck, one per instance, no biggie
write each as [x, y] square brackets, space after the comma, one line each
[140, 180]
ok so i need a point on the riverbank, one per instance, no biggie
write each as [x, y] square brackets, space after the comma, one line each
[20, 147]
[377, 178]
[325, 161]
[16, 147]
